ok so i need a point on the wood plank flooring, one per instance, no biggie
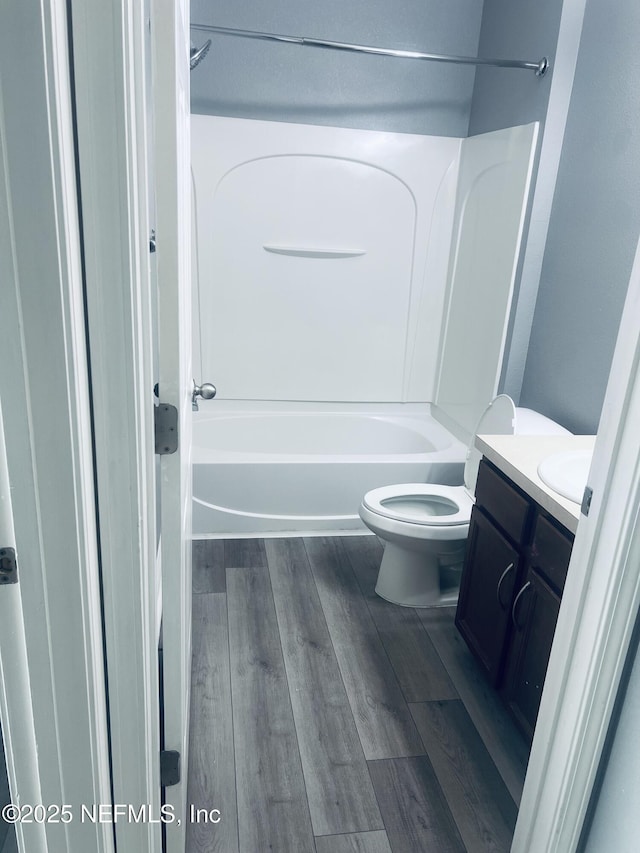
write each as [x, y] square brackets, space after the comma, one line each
[341, 796]
[273, 812]
[11, 844]
[327, 720]
[212, 779]
[7, 832]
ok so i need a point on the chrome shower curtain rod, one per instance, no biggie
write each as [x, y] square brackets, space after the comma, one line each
[539, 67]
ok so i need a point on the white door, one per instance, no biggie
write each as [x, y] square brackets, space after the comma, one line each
[128, 132]
[170, 37]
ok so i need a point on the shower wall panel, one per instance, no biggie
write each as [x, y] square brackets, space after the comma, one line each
[492, 196]
[321, 259]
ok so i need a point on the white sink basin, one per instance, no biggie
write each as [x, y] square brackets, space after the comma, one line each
[566, 472]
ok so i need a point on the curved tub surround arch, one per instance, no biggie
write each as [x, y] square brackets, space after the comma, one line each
[318, 327]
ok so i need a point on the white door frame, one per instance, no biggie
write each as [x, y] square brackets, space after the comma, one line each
[601, 597]
[57, 713]
[21, 752]
[110, 42]
[109, 77]
[599, 609]
[172, 156]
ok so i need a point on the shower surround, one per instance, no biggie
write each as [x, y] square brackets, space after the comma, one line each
[333, 268]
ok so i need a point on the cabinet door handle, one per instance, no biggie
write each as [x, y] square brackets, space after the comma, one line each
[502, 577]
[515, 604]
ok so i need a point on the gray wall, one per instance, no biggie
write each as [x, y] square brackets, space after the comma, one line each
[513, 29]
[595, 224]
[284, 82]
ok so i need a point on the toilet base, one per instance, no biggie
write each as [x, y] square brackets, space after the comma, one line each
[418, 579]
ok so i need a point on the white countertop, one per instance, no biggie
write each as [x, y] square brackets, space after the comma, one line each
[518, 456]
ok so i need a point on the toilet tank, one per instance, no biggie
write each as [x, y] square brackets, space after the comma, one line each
[503, 417]
[529, 422]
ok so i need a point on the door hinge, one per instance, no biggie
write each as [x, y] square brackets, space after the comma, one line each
[8, 566]
[166, 428]
[169, 767]
[586, 500]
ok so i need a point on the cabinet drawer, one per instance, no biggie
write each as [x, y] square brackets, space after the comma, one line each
[503, 502]
[551, 552]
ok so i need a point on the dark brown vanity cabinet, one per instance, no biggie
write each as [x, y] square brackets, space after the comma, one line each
[515, 565]
[486, 592]
[535, 617]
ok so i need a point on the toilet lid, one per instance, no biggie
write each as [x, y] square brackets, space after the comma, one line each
[421, 503]
[498, 418]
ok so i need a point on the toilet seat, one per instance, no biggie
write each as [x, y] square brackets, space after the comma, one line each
[423, 504]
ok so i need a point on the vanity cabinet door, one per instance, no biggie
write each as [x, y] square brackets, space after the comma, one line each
[486, 593]
[534, 616]
[551, 551]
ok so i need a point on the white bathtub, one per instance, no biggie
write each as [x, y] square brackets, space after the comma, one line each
[298, 469]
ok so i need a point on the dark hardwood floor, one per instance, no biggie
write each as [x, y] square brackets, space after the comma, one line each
[326, 719]
[7, 832]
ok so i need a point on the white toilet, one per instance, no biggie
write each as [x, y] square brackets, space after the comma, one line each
[425, 525]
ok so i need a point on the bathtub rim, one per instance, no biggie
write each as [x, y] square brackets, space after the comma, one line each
[417, 417]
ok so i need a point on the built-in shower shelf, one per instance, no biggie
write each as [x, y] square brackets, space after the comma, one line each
[299, 252]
